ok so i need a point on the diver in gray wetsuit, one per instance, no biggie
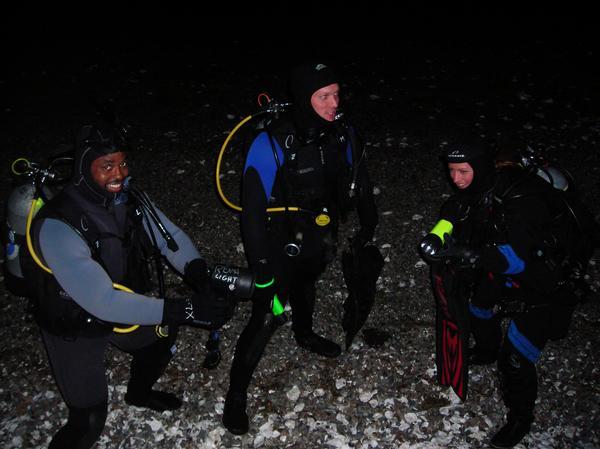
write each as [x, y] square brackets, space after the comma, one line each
[95, 233]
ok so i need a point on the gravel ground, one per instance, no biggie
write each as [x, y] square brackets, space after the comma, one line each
[181, 100]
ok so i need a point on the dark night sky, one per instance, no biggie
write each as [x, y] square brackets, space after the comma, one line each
[53, 66]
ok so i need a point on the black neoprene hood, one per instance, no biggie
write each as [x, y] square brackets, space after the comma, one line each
[480, 161]
[94, 141]
[305, 80]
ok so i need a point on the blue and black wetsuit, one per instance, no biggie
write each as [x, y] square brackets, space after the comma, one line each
[511, 268]
[284, 168]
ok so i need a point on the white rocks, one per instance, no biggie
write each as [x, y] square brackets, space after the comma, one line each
[293, 394]
[340, 383]
[342, 418]
[154, 424]
[319, 392]
[411, 418]
[365, 396]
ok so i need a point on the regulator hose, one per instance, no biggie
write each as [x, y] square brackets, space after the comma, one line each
[236, 128]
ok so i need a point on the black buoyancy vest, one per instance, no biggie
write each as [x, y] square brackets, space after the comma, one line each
[470, 216]
[117, 241]
[315, 173]
[562, 238]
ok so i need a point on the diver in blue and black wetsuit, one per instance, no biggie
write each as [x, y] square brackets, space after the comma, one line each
[510, 230]
[311, 160]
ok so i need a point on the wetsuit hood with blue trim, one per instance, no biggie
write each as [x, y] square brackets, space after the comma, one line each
[305, 80]
[480, 161]
[94, 141]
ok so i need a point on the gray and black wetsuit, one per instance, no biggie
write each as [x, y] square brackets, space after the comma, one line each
[81, 286]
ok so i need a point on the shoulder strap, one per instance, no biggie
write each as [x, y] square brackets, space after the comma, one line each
[70, 212]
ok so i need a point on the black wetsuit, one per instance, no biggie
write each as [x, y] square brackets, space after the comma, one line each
[284, 168]
[512, 221]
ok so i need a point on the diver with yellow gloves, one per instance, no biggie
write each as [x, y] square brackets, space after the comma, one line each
[308, 167]
[95, 234]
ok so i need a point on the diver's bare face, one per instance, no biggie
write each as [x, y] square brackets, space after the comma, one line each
[110, 170]
[325, 101]
[461, 174]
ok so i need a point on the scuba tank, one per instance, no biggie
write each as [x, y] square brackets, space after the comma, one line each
[16, 255]
[17, 209]
[558, 178]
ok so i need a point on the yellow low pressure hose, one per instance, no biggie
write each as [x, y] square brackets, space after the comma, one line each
[218, 172]
[13, 166]
[220, 158]
[36, 204]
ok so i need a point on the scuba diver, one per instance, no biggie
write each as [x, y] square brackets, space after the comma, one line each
[96, 234]
[310, 160]
[507, 236]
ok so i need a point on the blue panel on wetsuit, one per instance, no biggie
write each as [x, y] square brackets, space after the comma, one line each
[516, 265]
[523, 345]
[484, 314]
[260, 156]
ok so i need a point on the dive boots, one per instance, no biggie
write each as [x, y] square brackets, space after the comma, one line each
[154, 400]
[147, 366]
[319, 345]
[511, 433]
[235, 418]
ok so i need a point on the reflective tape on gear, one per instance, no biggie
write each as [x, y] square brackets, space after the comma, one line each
[266, 284]
[442, 227]
[277, 307]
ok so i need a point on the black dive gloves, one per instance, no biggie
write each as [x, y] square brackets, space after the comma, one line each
[203, 308]
[195, 274]
[463, 255]
[432, 249]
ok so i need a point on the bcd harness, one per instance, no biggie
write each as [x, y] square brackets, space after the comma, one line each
[563, 245]
[118, 242]
[315, 175]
